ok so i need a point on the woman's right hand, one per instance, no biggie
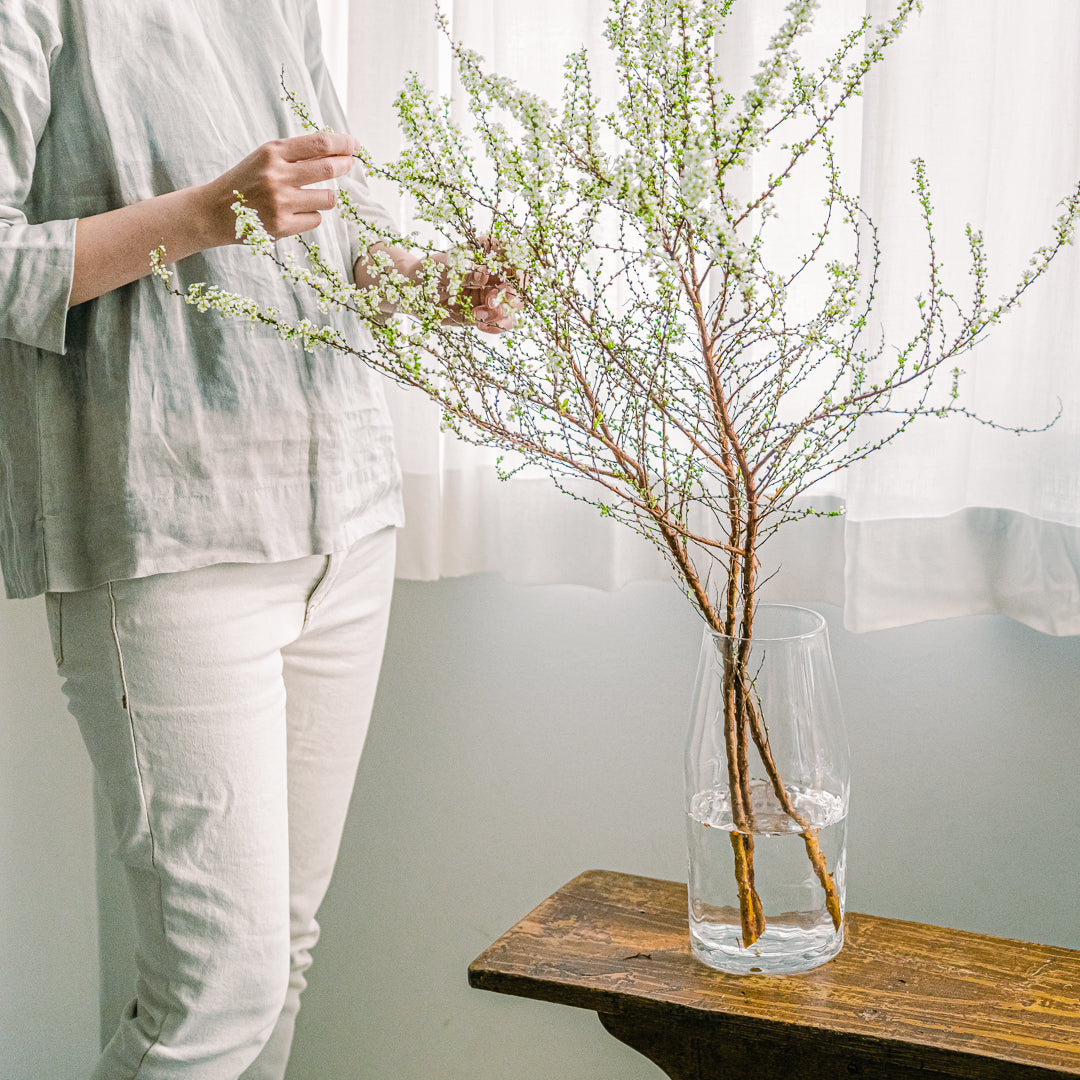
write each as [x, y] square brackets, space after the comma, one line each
[274, 181]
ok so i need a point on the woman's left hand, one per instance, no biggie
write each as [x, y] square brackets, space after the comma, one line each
[488, 301]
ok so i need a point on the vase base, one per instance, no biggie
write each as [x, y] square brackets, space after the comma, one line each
[781, 950]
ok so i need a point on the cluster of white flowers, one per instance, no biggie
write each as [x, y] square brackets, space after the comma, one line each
[205, 297]
[249, 229]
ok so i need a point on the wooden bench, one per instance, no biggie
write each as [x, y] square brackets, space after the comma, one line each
[902, 1000]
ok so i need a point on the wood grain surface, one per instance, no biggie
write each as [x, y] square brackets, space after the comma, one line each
[902, 1000]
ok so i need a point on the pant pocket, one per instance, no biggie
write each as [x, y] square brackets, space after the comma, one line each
[54, 615]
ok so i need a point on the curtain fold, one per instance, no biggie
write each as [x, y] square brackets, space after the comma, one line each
[954, 518]
[958, 518]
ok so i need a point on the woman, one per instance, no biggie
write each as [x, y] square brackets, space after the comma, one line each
[209, 511]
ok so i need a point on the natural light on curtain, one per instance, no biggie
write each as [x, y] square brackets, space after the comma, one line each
[955, 518]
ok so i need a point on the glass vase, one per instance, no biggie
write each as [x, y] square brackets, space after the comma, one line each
[767, 787]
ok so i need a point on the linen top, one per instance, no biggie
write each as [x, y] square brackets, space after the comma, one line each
[138, 435]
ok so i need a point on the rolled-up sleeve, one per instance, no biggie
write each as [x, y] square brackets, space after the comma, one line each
[36, 258]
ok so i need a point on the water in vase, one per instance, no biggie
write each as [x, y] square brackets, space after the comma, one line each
[799, 930]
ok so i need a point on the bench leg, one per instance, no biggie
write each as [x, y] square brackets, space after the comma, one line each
[677, 1052]
[692, 1054]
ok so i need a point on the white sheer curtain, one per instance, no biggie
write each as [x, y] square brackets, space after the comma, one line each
[954, 518]
[957, 518]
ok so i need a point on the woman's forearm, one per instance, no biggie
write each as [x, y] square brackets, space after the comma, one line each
[280, 181]
[366, 274]
[113, 249]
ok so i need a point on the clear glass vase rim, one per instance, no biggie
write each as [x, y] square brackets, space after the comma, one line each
[819, 625]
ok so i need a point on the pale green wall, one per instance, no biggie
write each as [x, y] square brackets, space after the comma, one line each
[524, 734]
[48, 937]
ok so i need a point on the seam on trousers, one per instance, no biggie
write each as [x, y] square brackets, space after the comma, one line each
[315, 597]
[126, 702]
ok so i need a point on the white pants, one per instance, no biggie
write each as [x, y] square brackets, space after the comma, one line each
[225, 710]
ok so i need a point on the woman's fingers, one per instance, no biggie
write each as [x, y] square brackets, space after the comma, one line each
[318, 144]
[315, 171]
[301, 200]
[476, 279]
[276, 180]
[497, 309]
[314, 159]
